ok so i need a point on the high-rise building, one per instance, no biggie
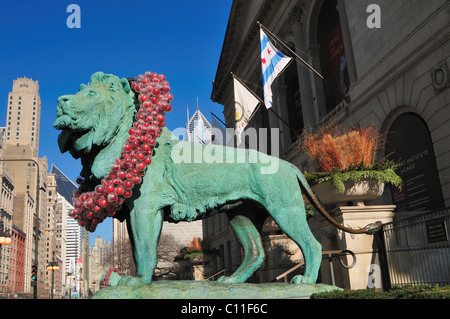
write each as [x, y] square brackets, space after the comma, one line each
[100, 259]
[20, 138]
[70, 230]
[23, 114]
[198, 128]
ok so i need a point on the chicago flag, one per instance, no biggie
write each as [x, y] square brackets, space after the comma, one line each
[273, 63]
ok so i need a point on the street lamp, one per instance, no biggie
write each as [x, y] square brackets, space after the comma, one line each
[74, 273]
[53, 266]
[70, 275]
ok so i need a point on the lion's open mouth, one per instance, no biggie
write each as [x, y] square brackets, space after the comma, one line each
[69, 134]
[68, 137]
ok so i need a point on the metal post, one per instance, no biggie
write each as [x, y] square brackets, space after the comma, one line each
[386, 278]
[330, 260]
[53, 274]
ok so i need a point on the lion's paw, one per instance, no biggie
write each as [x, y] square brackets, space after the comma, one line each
[299, 279]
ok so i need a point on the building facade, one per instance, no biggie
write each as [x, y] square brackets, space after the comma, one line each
[17, 261]
[396, 76]
[67, 229]
[6, 224]
[23, 114]
[29, 173]
[100, 260]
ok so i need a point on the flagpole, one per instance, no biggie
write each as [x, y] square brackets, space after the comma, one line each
[260, 100]
[219, 119]
[246, 144]
[345, 97]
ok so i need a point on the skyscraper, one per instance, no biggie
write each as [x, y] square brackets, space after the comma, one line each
[23, 114]
[72, 231]
[198, 128]
[29, 173]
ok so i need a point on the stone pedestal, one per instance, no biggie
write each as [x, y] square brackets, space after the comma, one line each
[366, 273]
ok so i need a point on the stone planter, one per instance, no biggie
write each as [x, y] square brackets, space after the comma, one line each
[359, 193]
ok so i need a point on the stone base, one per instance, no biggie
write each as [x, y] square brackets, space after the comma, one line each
[166, 289]
[366, 273]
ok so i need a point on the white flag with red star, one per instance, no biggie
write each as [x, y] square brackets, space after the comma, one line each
[273, 62]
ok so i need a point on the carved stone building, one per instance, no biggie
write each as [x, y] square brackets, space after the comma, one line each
[28, 173]
[396, 76]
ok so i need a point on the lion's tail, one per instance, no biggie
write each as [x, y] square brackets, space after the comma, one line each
[368, 229]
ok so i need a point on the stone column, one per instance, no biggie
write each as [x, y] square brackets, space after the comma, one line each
[367, 272]
[309, 106]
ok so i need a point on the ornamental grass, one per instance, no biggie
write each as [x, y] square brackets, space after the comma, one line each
[333, 150]
[348, 154]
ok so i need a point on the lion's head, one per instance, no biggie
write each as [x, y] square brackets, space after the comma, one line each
[93, 118]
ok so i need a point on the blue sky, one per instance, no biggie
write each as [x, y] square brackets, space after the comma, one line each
[181, 39]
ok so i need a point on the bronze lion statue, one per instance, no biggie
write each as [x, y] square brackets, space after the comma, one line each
[95, 124]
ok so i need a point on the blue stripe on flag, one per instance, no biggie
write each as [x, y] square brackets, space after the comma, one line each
[264, 42]
[271, 68]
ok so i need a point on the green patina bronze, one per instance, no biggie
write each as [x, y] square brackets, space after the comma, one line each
[186, 182]
[182, 289]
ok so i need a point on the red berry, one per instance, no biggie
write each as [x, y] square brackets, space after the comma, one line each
[112, 198]
[127, 194]
[140, 156]
[119, 190]
[137, 180]
[128, 184]
[127, 147]
[99, 189]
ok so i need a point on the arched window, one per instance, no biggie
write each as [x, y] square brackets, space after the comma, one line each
[409, 143]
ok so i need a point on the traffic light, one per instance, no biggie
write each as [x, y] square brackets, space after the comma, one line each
[34, 272]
